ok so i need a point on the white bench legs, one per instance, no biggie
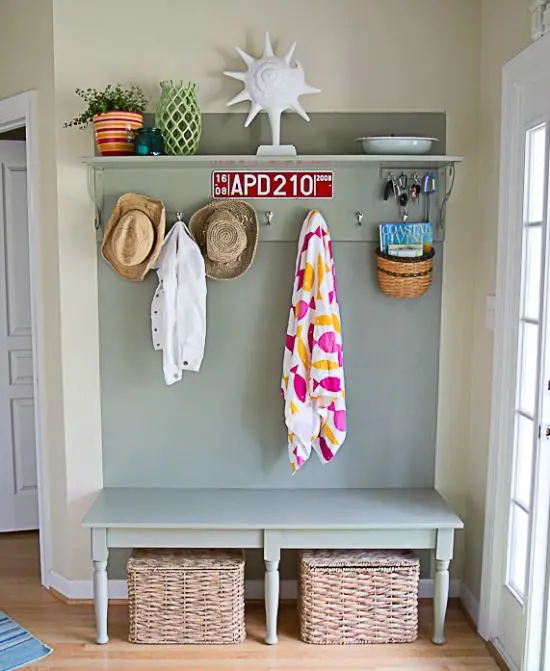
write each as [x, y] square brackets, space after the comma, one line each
[271, 600]
[100, 555]
[272, 556]
[443, 556]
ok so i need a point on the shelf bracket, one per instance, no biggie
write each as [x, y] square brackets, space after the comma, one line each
[95, 191]
[448, 192]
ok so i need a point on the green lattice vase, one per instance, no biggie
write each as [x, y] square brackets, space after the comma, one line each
[179, 118]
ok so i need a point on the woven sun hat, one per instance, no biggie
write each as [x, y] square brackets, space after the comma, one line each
[133, 235]
[227, 233]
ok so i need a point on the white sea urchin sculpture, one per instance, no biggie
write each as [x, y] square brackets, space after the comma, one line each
[274, 85]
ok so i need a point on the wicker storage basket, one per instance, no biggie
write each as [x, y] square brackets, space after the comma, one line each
[358, 596]
[186, 596]
[404, 277]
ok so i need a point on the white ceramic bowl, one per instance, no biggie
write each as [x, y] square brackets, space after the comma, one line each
[394, 144]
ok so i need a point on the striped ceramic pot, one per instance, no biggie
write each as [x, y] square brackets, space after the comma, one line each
[115, 132]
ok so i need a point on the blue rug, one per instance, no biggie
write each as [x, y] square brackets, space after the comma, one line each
[18, 648]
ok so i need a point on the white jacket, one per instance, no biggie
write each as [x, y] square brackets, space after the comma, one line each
[178, 309]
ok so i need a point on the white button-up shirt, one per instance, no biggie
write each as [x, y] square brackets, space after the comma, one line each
[178, 310]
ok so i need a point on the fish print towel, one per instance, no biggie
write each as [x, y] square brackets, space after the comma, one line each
[313, 364]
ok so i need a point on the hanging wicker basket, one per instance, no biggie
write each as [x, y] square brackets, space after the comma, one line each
[404, 277]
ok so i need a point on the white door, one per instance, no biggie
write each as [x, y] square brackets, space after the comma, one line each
[516, 568]
[18, 478]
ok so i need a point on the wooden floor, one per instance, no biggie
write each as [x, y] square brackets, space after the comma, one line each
[69, 629]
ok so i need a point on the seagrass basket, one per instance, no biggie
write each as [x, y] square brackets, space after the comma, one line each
[186, 596]
[402, 277]
[358, 596]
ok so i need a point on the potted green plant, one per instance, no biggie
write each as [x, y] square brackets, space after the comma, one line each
[116, 114]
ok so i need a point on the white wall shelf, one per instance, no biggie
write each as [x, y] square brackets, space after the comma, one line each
[251, 161]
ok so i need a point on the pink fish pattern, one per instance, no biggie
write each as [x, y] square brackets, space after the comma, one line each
[302, 308]
[312, 384]
[329, 383]
[300, 385]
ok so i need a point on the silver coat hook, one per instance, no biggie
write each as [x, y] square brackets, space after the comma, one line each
[179, 215]
[268, 217]
[359, 216]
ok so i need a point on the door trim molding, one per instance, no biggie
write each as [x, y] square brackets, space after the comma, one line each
[524, 68]
[15, 112]
[505, 335]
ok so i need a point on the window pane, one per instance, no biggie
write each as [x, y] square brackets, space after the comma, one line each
[534, 169]
[532, 259]
[523, 459]
[528, 367]
[519, 532]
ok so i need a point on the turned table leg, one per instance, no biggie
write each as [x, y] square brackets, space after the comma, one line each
[272, 556]
[100, 555]
[443, 556]
[441, 597]
[271, 600]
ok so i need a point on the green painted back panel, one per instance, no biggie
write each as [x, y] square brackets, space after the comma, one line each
[224, 426]
[326, 132]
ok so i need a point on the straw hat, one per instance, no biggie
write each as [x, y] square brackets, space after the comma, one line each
[227, 233]
[133, 235]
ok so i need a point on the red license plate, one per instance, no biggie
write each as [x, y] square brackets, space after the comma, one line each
[270, 184]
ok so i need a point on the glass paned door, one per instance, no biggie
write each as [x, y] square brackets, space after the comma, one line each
[531, 351]
[526, 411]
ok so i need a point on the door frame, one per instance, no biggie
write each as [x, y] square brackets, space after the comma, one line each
[16, 112]
[523, 67]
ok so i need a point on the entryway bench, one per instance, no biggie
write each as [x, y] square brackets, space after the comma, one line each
[272, 519]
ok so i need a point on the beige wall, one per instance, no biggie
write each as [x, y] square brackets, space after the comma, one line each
[435, 52]
[505, 32]
[26, 55]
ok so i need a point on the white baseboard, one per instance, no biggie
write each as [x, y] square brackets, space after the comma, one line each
[75, 589]
[469, 602]
[254, 589]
